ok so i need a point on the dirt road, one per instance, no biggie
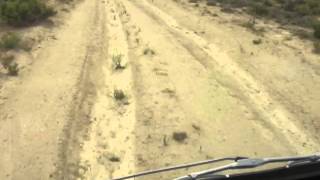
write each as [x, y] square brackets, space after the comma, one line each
[194, 87]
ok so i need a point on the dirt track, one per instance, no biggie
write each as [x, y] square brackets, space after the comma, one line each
[204, 77]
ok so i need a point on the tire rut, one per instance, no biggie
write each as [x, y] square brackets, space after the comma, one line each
[77, 129]
[176, 94]
[255, 93]
[109, 148]
[46, 104]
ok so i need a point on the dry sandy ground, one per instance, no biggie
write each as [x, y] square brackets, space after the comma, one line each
[188, 70]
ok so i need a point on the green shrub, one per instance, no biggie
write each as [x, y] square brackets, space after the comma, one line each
[211, 3]
[296, 12]
[119, 95]
[260, 9]
[13, 69]
[117, 62]
[193, 1]
[303, 9]
[23, 12]
[257, 41]
[317, 47]
[316, 28]
[180, 136]
[10, 41]
[270, 3]
[8, 63]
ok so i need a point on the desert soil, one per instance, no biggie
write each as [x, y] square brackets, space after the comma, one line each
[196, 87]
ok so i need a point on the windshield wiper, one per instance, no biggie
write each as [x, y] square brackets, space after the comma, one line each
[183, 166]
[238, 163]
[253, 163]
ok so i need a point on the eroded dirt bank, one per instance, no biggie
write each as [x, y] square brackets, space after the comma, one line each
[131, 85]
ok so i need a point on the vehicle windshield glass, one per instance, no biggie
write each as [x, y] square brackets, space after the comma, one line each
[102, 89]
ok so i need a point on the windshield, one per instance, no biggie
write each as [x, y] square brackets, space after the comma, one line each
[101, 89]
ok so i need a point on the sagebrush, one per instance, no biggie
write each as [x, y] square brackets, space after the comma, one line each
[117, 62]
[8, 63]
[9, 41]
[316, 28]
[24, 12]
[298, 12]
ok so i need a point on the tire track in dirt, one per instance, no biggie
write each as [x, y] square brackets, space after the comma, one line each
[288, 70]
[109, 148]
[91, 78]
[158, 110]
[256, 94]
[41, 106]
[176, 93]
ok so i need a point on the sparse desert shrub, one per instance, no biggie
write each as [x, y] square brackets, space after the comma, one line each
[193, 1]
[260, 9]
[117, 62]
[227, 9]
[13, 40]
[114, 158]
[270, 3]
[8, 63]
[66, 1]
[26, 44]
[296, 12]
[251, 24]
[316, 28]
[257, 41]
[10, 41]
[13, 69]
[303, 9]
[149, 51]
[24, 12]
[119, 95]
[317, 47]
[211, 3]
[179, 136]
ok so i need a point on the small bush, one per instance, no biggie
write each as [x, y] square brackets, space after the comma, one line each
[260, 10]
[13, 69]
[10, 41]
[270, 3]
[317, 47]
[24, 12]
[119, 95]
[211, 3]
[296, 12]
[114, 158]
[8, 63]
[180, 136]
[316, 28]
[117, 62]
[251, 24]
[303, 9]
[193, 1]
[257, 41]
[149, 51]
